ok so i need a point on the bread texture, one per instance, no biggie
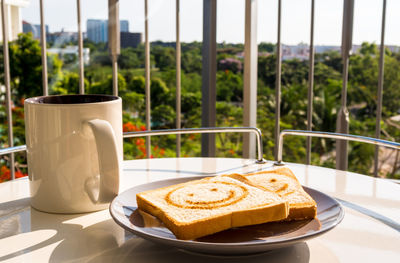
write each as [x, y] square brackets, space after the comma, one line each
[283, 182]
[203, 207]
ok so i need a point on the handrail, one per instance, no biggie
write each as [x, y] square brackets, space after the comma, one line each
[254, 130]
[332, 135]
[14, 149]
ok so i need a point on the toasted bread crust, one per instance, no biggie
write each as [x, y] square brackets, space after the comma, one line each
[297, 211]
[301, 213]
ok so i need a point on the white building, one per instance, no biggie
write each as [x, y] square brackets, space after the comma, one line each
[13, 13]
[70, 50]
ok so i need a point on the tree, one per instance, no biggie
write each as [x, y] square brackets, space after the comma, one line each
[69, 84]
[106, 87]
[137, 84]
[266, 47]
[229, 86]
[191, 61]
[163, 116]
[159, 92]
[164, 57]
[128, 59]
[26, 67]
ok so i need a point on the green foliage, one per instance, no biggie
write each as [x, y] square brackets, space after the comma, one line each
[106, 87]
[163, 117]
[137, 84]
[68, 84]
[129, 59]
[164, 57]
[191, 60]
[26, 81]
[229, 86]
[26, 67]
[159, 92]
[266, 47]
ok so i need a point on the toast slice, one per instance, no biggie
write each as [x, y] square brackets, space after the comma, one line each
[283, 182]
[203, 207]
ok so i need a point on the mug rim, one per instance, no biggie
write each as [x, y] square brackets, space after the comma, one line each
[39, 100]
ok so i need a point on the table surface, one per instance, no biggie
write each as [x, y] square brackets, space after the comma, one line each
[369, 232]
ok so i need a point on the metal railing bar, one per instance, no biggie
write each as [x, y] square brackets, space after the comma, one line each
[6, 61]
[13, 149]
[80, 50]
[178, 79]
[250, 76]
[253, 130]
[44, 50]
[380, 88]
[114, 40]
[278, 81]
[114, 61]
[331, 135]
[147, 76]
[310, 83]
[209, 75]
[343, 114]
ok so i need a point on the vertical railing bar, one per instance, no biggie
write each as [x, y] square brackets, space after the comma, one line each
[44, 50]
[114, 61]
[147, 76]
[178, 79]
[342, 124]
[6, 61]
[250, 76]
[80, 50]
[114, 40]
[278, 81]
[380, 89]
[310, 83]
[209, 75]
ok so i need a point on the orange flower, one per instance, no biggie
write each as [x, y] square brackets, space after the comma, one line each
[128, 127]
[5, 174]
[19, 174]
[143, 128]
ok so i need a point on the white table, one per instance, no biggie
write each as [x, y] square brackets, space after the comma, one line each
[369, 232]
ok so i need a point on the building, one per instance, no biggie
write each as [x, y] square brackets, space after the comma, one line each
[34, 29]
[97, 29]
[71, 50]
[129, 39]
[13, 9]
[124, 26]
[60, 38]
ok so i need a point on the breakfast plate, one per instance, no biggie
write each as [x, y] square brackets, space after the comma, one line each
[241, 240]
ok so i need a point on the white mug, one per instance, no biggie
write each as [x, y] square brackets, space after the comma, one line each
[74, 150]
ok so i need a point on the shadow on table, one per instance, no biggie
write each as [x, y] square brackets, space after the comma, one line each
[105, 241]
[140, 250]
[72, 241]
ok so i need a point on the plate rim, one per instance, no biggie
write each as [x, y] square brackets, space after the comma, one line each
[303, 237]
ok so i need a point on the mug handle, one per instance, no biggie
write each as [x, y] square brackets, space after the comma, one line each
[109, 166]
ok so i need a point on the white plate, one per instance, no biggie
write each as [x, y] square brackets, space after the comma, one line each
[242, 240]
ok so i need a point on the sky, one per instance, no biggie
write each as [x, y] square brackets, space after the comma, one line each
[230, 19]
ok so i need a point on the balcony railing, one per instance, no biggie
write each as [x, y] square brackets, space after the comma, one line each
[209, 75]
